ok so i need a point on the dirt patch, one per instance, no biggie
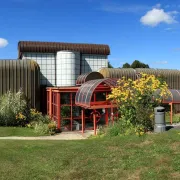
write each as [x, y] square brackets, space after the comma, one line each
[136, 174]
[175, 175]
[145, 143]
[163, 162]
[175, 147]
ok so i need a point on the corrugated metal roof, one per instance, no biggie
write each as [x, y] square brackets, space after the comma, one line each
[52, 47]
[118, 73]
[88, 76]
[171, 76]
[17, 74]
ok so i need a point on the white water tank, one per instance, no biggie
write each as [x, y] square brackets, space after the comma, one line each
[67, 68]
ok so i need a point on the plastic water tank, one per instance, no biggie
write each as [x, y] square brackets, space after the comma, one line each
[67, 68]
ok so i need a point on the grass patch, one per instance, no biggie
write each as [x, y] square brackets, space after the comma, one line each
[155, 156]
[17, 131]
[176, 118]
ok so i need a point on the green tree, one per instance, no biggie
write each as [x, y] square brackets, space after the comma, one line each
[126, 65]
[109, 65]
[138, 64]
[135, 64]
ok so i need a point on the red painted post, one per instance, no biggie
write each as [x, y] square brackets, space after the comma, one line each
[47, 94]
[94, 97]
[171, 113]
[71, 110]
[50, 103]
[58, 110]
[106, 116]
[82, 119]
[94, 122]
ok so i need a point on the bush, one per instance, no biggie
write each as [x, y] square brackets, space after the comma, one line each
[120, 128]
[136, 99]
[42, 124]
[13, 109]
[41, 128]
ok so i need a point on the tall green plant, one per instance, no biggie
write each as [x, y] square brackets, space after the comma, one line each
[13, 106]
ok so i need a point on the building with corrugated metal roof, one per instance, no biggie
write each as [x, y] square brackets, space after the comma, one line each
[18, 74]
[62, 63]
[172, 77]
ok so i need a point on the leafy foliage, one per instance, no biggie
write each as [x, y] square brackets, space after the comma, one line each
[136, 99]
[109, 65]
[126, 65]
[138, 64]
[15, 111]
[13, 108]
[135, 64]
[41, 124]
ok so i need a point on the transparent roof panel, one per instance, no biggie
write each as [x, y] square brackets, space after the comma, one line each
[85, 92]
[173, 97]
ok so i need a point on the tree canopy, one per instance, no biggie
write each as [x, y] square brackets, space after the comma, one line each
[109, 65]
[135, 64]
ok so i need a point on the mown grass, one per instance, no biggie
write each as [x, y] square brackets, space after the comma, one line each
[176, 118]
[154, 156]
[17, 131]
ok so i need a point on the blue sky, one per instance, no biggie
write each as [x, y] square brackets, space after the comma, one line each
[134, 29]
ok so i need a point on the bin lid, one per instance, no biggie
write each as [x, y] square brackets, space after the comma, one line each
[159, 109]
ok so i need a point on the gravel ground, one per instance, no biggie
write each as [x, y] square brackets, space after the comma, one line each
[62, 136]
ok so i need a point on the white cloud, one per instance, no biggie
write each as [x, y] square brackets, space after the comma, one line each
[161, 62]
[3, 42]
[157, 16]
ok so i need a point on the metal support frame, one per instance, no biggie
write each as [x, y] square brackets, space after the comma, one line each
[58, 110]
[71, 103]
[171, 115]
[94, 123]
[83, 119]
[54, 106]
[106, 116]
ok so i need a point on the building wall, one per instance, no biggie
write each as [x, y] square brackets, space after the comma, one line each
[49, 75]
[24, 75]
[46, 63]
[93, 62]
[67, 68]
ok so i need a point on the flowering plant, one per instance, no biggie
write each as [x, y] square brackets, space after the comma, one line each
[136, 99]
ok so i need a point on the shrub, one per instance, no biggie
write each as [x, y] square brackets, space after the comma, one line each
[41, 128]
[120, 128]
[136, 100]
[42, 124]
[13, 107]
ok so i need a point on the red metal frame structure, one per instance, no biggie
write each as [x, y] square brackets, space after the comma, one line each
[54, 104]
[173, 98]
[86, 97]
[93, 89]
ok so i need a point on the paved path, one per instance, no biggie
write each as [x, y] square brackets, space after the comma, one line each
[61, 136]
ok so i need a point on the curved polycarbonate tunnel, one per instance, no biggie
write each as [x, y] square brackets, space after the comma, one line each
[85, 91]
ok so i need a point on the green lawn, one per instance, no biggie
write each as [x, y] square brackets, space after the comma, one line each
[176, 118]
[156, 156]
[16, 131]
